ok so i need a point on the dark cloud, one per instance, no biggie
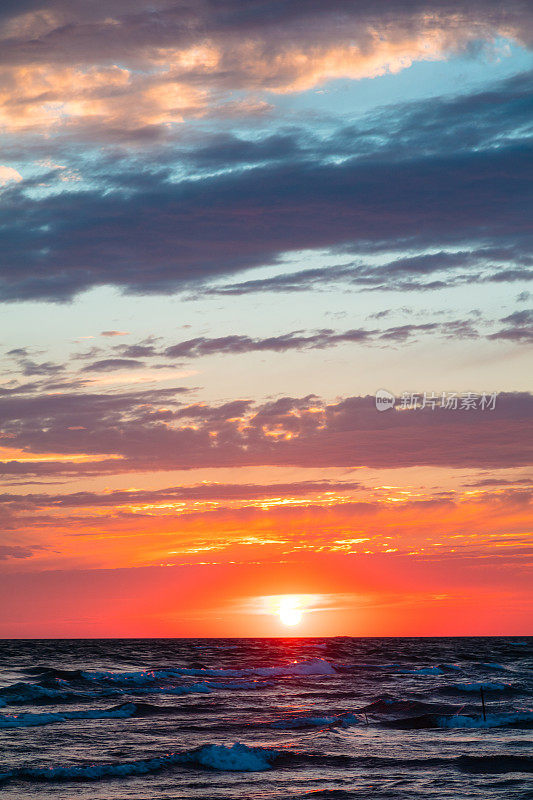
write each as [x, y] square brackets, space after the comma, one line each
[126, 357]
[520, 317]
[484, 482]
[209, 492]
[156, 430]
[137, 350]
[230, 222]
[29, 367]
[81, 32]
[17, 551]
[237, 344]
[519, 328]
[228, 149]
[510, 275]
[19, 388]
[203, 346]
[488, 118]
[513, 335]
[300, 340]
[108, 364]
[15, 470]
[463, 196]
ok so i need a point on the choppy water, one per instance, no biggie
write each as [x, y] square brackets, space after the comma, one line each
[277, 718]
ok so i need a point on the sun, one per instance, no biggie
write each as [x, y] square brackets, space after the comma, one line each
[289, 612]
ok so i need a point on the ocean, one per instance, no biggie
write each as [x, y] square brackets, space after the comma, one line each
[267, 718]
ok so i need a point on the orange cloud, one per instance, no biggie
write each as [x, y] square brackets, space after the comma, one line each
[8, 174]
[87, 531]
[160, 84]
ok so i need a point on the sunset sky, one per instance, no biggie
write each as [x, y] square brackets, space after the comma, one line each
[224, 226]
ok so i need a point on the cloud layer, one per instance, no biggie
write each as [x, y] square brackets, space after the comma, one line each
[445, 180]
[133, 68]
[157, 430]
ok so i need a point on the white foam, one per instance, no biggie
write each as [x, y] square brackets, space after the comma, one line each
[238, 758]
[492, 721]
[96, 771]
[133, 678]
[315, 666]
[34, 720]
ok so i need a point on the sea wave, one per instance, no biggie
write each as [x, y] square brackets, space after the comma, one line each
[302, 721]
[33, 720]
[514, 719]
[422, 671]
[34, 693]
[237, 757]
[475, 686]
[315, 666]
[245, 758]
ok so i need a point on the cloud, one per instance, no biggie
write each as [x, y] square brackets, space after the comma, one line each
[202, 346]
[134, 351]
[130, 70]
[158, 430]
[16, 551]
[107, 364]
[347, 193]
[278, 524]
[519, 328]
[59, 245]
[300, 340]
[520, 317]
[471, 327]
[177, 494]
[8, 174]
[453, 268]
[29, 367]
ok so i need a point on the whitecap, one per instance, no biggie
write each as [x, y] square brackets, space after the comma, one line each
[33, 720]
[491, 721]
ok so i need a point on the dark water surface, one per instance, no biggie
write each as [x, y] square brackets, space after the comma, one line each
[267, 718]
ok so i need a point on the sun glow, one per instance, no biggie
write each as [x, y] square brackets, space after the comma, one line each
[289, 611]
